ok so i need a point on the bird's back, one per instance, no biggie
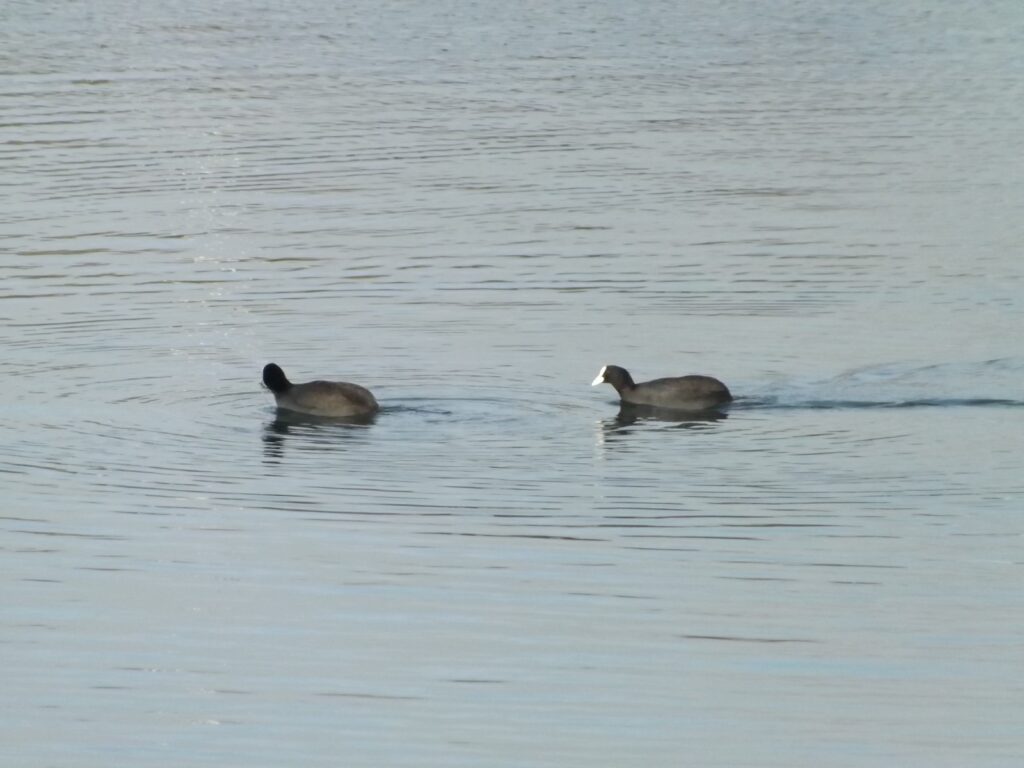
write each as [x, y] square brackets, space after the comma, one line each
[693, 392]
[328, 398]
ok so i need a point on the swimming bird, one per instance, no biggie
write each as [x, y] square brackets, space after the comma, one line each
[318, 398]
[682, 393]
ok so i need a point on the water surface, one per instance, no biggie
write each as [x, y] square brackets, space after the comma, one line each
[470, 210]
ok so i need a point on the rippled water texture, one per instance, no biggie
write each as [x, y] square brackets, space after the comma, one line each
[470, 209]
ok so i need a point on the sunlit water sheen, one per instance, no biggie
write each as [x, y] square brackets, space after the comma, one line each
[470, 210]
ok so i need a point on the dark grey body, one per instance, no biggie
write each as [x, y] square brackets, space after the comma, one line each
[319, 398]
[680, 393]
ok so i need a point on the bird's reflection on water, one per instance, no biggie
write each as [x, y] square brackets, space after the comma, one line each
[314, 430]
[631, 416]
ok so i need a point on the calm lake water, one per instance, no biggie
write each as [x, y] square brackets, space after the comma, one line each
[470, 208]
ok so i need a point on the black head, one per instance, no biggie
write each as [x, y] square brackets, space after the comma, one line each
[614, 375]
[274, 378]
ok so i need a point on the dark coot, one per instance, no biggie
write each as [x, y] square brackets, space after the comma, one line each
[681, 393]
[319, 398]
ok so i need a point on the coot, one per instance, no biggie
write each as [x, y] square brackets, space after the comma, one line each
[682, 393]
[318, 398]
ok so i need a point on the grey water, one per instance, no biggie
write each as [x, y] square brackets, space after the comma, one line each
[469, 209]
